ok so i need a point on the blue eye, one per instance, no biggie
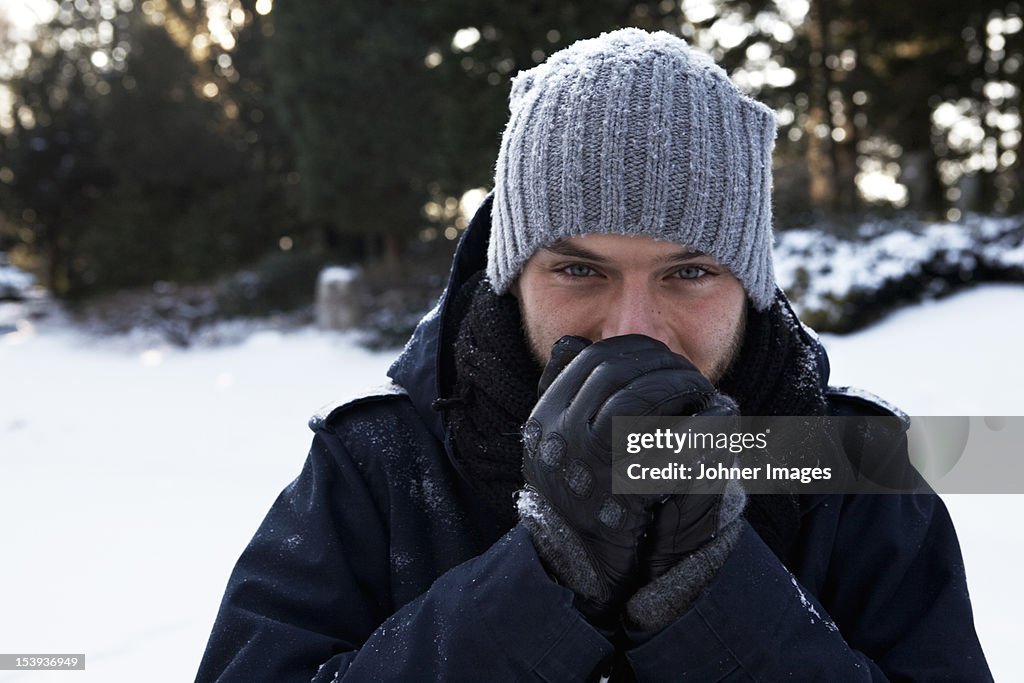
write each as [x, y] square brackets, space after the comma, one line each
[578, 270]
[691, 272]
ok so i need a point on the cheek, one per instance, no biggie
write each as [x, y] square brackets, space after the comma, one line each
[707, 330]
[548, 317]
[698, 331]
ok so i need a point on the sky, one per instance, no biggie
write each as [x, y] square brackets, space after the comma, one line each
[24, 14]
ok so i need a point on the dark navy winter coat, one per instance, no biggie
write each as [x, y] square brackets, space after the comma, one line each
[378, 563]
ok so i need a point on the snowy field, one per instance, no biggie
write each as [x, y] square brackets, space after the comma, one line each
[131, 479]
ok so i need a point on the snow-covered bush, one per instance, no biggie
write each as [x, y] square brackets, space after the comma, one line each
[14, 282]
[838, 285]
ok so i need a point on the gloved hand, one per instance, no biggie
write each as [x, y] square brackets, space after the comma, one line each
[687, 521]
[591, 538]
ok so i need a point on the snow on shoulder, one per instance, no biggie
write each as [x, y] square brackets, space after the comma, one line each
[321, 417]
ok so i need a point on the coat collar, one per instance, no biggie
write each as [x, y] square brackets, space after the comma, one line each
[425, 365]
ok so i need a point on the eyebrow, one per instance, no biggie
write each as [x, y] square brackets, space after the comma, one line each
[564, 248]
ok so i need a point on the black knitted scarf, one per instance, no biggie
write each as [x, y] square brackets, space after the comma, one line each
[775, 373]
[495, 389]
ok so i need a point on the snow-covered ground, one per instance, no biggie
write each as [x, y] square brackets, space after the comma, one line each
[130, 479]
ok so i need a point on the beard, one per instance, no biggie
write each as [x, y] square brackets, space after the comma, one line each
[732, 351]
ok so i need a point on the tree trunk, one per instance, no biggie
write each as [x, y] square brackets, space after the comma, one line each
[820, 163]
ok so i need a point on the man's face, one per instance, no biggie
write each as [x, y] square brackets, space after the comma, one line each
[599, 286]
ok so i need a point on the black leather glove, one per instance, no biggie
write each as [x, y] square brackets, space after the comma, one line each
[568, 457]
[687, 521]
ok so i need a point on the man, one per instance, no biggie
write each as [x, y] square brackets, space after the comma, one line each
[455, 526]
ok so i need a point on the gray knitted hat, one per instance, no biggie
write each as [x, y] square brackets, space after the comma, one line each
[635, 133]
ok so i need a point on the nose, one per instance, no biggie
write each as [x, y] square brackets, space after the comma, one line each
[637, 310]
